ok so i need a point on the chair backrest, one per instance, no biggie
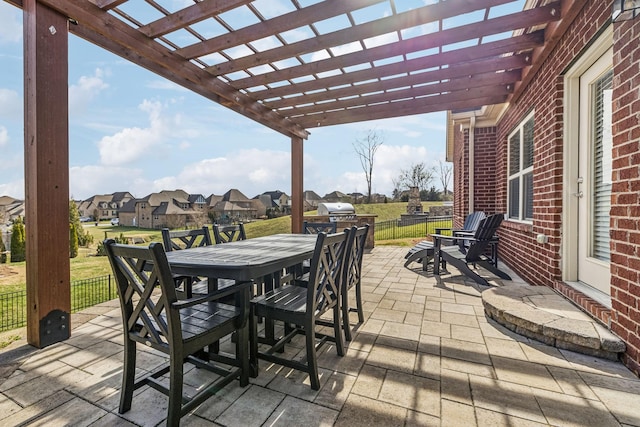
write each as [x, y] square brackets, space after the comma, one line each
[483, 236]
[228, 233]
[319, 227]
[472, 221]
[352, 271]
[325, 274]
[146, 315]
[175, 240]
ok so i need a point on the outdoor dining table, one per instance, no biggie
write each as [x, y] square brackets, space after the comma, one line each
[244, 259]
[263, 259]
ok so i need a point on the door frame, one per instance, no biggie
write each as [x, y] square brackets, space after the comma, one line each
[571, 147]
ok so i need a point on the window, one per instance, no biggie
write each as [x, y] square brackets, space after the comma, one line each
[520, 182]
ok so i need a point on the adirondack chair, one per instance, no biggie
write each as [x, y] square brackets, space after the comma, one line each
[471, 252]
[423, 251]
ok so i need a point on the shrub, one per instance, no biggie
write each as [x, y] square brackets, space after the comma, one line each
[18, 241]
[3, 251]
[73, 241]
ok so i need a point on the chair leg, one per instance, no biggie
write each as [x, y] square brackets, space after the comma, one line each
[253, 343]
[337, 330]
[359, 302]
[174, 410]
[128, 375]
[242, 356]
[344, 307]
[472, 274]
[312, 361]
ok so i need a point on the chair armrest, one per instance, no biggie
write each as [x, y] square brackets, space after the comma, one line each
[230, 290]
[440, 230]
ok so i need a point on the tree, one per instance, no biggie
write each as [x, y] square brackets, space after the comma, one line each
[73, 241]
[446, 171]
[418, 175]
[18, 252]
[3, 250]
[81, 237]
[366, 148]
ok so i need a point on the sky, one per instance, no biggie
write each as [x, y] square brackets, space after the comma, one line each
[131, 130]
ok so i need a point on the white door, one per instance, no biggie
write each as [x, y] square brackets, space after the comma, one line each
[594, 176]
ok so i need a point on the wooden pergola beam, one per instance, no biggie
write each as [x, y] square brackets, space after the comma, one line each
[307, 91]
[452, 85]
[46, 158]
[442, 38]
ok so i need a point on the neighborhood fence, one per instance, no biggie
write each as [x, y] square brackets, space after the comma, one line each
[84, 293]
[406, 227]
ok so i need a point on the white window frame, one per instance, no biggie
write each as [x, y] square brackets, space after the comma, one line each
[520, 174]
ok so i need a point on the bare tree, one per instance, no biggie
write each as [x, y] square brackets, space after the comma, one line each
[446, 170]
[366, 148]
[418, 175]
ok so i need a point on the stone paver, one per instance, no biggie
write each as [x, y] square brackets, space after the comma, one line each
[426, 355]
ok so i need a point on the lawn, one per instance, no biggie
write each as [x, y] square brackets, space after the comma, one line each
[86, 264]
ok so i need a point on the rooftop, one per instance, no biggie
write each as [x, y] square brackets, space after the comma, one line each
[426, 355]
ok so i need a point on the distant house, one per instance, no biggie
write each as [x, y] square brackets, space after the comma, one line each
[235, 206]
[10, 209]
[337, 196]
[276, 203]
[105, 206]
[311, 200]
[172, 209]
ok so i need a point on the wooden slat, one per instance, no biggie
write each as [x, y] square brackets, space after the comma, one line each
[189, 15]
[455, 70]
[108, 4]
[500, 47]
[392, 91]
[280, 24]
[498, 81]
[129, 43]
[442, 38]
[553, 32]
[474, 98]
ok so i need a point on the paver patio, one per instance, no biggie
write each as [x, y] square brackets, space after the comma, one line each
[427, 355]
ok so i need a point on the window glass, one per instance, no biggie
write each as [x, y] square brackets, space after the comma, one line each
[520, 182]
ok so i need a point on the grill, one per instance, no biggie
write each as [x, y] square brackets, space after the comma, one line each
[337, 209]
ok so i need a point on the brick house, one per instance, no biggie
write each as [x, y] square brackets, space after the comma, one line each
[104, 206]
[173, 209]
[561, 160]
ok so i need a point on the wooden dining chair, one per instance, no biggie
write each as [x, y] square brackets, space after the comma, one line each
[228, 233]
[309, 227]
[352, 277]
[302, 306]
[175, 240]
[154, 317]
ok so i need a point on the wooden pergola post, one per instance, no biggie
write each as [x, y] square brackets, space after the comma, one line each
[297, 184]
[46, 157]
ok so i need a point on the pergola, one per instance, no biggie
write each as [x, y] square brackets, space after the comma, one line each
[291, 65]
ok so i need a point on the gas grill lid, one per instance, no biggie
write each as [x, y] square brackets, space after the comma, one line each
[336, 209]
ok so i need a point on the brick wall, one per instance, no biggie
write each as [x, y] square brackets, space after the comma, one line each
[484, 171]
[540, 264]
[625, 201]
[545, 96]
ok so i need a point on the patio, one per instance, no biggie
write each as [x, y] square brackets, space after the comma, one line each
[427, 355]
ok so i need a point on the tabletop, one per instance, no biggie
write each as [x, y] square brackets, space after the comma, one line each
[244, 259]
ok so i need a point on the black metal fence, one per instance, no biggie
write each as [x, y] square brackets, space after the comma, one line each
[84, 293]
[405, 228]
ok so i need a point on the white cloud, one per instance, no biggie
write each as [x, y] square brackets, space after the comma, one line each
[4, 136]
[86, 89]
[10, 104]
[86, 181]
[130, 144]
[251, 171]
[13, 189]
[10, 25]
